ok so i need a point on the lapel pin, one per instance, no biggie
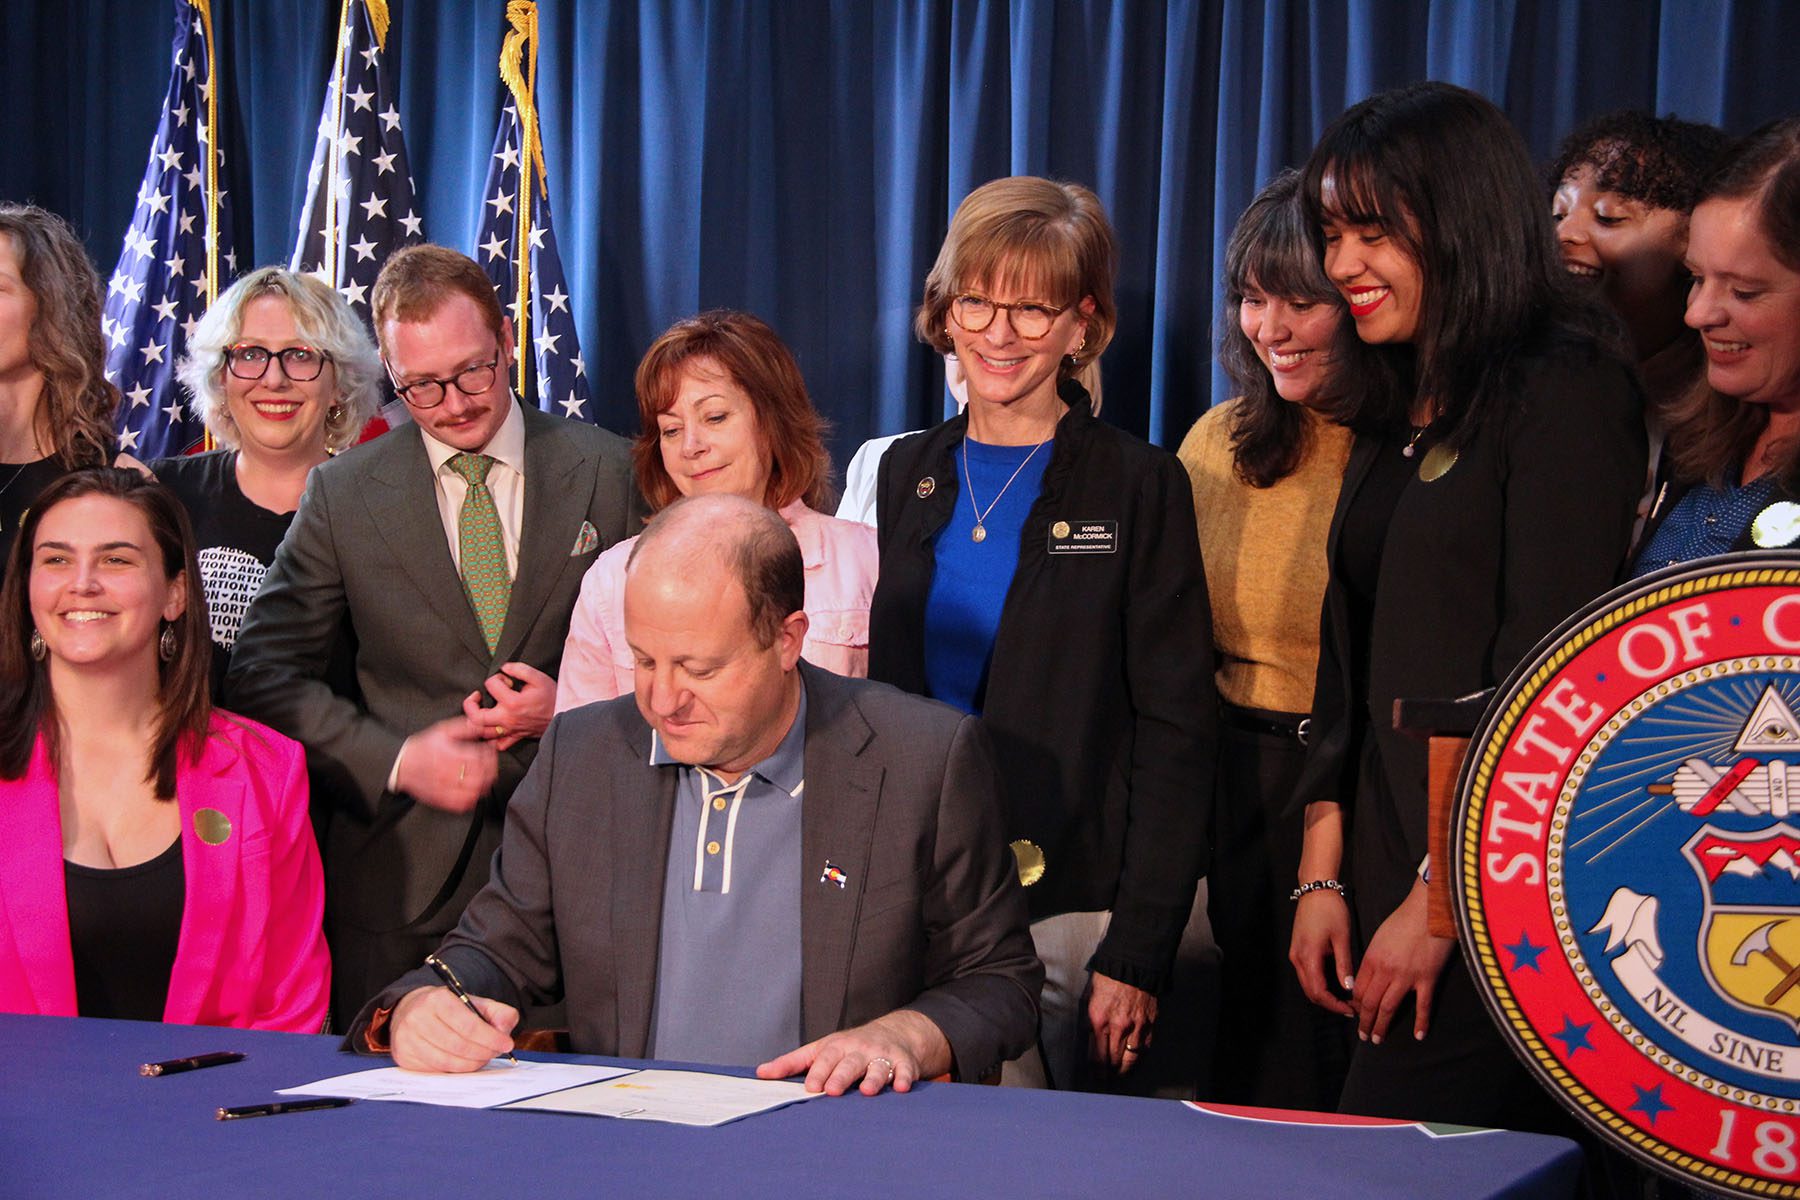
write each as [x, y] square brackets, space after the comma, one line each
[213, 826]
[588, 539]
[926, 486]
[831, 874]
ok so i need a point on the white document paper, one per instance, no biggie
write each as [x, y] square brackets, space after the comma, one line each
[500, 1082]
[681, 1097]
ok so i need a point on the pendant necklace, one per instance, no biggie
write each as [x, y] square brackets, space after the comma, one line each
[1413, 442]
[979, 533]
[17, 471]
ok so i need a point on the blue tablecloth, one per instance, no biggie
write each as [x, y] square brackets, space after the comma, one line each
[77, 1120]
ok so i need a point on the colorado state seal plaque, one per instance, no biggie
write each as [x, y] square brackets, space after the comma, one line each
[1628, 869]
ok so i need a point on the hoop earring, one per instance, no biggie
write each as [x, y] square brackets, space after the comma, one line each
[166, 645]
[39, 649]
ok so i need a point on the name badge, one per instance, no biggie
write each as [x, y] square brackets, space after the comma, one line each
[1084, 537]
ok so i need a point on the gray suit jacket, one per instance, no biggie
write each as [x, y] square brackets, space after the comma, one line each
[900, 794]
[366, 559]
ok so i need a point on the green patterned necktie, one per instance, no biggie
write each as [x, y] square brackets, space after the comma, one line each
[483, 550]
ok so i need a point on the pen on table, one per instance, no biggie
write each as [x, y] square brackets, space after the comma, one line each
[284, 1106]
[176, 1066]
[442, 970]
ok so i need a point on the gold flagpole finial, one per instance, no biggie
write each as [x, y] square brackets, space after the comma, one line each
[518, 71]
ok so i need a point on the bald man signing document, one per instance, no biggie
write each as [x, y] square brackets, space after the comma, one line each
[752, 862]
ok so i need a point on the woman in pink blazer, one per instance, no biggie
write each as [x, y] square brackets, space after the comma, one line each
[160, 863]
[723, 408]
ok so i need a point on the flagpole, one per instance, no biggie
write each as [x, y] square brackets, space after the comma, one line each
[328, 257]
[520, 48]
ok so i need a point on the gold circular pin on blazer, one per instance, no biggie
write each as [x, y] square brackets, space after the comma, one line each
[1031, 861]
[1776, 525]
[1437, 463]
[213, 826]
[926, 486]
[1060, 530]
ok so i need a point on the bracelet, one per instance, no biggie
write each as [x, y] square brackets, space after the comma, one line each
[1320, 885]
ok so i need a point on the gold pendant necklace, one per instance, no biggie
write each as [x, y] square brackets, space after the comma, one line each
[979, 533]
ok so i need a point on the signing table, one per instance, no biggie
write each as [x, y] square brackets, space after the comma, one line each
[77, 1120]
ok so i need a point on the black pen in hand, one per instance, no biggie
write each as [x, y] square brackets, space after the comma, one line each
[442, 970]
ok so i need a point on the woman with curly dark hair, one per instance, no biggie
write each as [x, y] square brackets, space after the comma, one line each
[1265, 467]
[56, 406]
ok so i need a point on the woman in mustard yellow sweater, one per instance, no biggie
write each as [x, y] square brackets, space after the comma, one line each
[1265, 468]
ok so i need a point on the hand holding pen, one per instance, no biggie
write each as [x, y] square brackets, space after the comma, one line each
[447, 1030]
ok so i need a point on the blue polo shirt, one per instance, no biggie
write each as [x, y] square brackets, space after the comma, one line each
[728, 964]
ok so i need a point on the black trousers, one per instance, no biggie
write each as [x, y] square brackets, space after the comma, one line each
[1274, 1048]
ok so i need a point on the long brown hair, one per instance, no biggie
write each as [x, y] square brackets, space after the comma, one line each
[27, 706]
[1712, 435]
[1271, 251]
[76, 407]
[758, 361]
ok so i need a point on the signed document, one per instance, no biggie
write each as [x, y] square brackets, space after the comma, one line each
[500, 1082]
[679, 1097]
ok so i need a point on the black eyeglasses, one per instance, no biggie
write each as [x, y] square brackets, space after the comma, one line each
[429, 393]
[301, 364]
[1030, 319]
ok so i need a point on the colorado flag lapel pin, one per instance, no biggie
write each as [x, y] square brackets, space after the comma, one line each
[831, 874]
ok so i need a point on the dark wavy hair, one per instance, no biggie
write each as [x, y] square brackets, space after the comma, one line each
[1658, 161]
[1272, 252]
[1442, 171]
[757, 360]
[1711, 435]
[76, 407]
[27, 705]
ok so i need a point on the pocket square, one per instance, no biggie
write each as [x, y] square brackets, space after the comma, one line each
[587, 540]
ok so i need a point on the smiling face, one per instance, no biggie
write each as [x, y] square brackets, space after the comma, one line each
[709, 437]
[713, 695]
[1380, 280]
[452, 339]
[1002, 368]
[1293, 339]
[1746, 304]
[98, 591]
[1631, 249]
[278, 417]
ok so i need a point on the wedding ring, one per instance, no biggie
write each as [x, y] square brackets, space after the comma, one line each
[888, 1061]
[461, 770]
[1130, 1049]
[499, 731]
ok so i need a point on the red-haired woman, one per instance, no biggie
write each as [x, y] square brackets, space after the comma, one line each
[724, 409]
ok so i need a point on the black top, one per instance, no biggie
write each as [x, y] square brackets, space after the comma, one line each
[235, 536]
[124, 924]
[20, 484]
[1100, 697]
[1367, 516]
[1530, 522]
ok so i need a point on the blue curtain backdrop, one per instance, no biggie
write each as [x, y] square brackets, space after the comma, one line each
[800, 158]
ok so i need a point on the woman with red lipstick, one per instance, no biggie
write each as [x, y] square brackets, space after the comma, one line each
[1040, 568]
[1732, 462]
[56, 406]
[1265, 467]
[159, 863]
[724, 409]
[1499, 455]
[283, 373]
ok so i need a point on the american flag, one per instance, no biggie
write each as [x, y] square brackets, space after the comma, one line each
[557, 375]
[167, 272]
[348, 230]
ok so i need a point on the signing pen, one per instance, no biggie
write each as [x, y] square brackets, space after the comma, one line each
[285, 1106]
[442, 970]
[176, 1066]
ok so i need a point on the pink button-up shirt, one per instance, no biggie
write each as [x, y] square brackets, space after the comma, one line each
[841, 562]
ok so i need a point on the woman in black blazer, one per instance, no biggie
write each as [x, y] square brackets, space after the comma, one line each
[1490, 491]
[1040, 568]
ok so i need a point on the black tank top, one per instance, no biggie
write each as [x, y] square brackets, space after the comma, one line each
[124, 923]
